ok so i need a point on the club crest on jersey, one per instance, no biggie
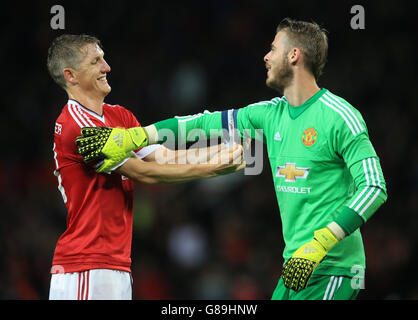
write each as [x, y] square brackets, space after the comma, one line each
[309, 137]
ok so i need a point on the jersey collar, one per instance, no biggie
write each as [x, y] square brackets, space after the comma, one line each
[90, 112]
[296, 111]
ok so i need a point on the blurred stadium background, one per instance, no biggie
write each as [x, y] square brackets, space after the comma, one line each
[218, 238]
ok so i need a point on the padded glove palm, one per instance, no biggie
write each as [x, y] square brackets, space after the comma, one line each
[109, 145]
[299, 268]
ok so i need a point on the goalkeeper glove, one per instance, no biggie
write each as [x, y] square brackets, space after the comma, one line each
[111, 145]
[299, 268]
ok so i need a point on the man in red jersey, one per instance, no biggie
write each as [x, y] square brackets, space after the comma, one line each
[92, 258]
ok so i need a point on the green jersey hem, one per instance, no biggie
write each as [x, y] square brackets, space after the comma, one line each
[357, 271]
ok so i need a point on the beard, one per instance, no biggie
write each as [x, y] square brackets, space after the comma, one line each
[282, 76]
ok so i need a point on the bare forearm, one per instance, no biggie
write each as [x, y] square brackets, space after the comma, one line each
[195, 155]
[154, 173]
[211, 155]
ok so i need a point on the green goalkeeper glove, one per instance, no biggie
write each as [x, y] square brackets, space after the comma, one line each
[110, 145]
[299, 268]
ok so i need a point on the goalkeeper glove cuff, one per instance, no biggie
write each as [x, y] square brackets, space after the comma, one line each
[326, 238]
[139, 137]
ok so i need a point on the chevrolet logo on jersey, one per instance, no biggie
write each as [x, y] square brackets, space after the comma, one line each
[290, 172]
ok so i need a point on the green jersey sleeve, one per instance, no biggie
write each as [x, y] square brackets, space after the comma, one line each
[350, 138]
[190, 128]
[250, 121]
[370, 194]
[253, 120]
[350, 141]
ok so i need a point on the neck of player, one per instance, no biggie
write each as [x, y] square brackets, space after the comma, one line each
[301, 89]
[89, 101]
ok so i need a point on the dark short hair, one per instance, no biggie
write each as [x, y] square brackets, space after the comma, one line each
[66, 52]
[311, 39]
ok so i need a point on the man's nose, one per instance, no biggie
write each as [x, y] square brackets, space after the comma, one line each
[106, 67]
[266, 57]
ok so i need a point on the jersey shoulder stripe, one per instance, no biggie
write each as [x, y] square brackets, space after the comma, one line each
[345, 111]
[81, 118]
[344, 104]
[84, 116]
[273, 101]
[194, 116]
[73, 114]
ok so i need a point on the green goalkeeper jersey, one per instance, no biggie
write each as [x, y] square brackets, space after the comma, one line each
[323, 165]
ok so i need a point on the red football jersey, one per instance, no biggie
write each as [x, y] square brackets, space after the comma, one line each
[100, 206]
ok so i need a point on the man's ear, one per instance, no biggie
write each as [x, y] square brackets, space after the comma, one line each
[70, 76]
[294, 55]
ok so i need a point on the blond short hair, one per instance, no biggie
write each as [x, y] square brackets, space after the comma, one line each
[66, 52]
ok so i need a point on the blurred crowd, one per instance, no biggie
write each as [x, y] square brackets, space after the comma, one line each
[218, 238]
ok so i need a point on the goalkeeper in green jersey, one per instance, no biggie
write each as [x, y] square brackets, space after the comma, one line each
[327, 176]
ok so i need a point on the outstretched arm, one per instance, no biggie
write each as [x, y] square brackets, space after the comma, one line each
[114, 145]
[228, 124]
[212, 161]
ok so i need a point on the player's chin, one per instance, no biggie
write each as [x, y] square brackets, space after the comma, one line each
[105, 89]
[270, 82]
[275, 85]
